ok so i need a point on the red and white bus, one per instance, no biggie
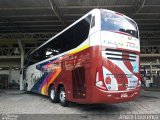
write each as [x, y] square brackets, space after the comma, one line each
[94, 60]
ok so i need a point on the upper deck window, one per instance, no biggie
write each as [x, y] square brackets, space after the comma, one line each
[69, 39]
[118, 23]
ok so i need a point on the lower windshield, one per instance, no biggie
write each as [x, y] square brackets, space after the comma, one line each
[118, 23]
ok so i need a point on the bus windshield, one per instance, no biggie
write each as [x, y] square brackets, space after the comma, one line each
[118, 23]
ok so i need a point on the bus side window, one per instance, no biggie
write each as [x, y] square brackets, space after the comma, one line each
[50, 52]
[70, 39]
[29, 60]
[93, 22]
[35, 57]
[81, 31]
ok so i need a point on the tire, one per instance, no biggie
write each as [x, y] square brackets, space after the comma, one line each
[62, 97]
[53, 95]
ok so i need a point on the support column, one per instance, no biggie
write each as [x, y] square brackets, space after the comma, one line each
[151, 75]
[22, 64]
[9, 76]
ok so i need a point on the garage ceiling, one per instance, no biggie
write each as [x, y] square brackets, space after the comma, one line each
[38, 20]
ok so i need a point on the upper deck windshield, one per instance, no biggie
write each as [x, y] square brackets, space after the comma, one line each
[118, 23]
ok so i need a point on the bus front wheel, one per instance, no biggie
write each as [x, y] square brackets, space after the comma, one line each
[62, 97]
[53, 95]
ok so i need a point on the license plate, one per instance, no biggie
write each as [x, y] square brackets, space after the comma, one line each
[124, 95]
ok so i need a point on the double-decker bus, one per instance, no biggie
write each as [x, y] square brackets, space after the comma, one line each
[94, 60]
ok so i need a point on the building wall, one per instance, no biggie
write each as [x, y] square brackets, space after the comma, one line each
[15, 75]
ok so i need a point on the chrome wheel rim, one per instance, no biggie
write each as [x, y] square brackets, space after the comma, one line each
[62, 96]
[52, 94]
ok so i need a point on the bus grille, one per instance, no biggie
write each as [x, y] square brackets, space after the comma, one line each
[120, 55]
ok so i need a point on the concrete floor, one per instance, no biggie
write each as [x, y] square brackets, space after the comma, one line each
[19, 103]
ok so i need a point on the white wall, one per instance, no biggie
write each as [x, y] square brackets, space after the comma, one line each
[15, 74]
[4, 72]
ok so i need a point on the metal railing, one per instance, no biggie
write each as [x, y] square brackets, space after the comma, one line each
[14, 51]
[150, 49]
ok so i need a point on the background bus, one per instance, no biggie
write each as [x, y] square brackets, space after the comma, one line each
[94, 60]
